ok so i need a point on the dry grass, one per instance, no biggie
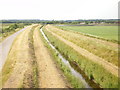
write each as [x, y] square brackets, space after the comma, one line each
[49, 75]
[18, 61]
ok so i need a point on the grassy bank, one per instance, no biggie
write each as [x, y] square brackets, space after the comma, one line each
[75, 83]
[7, 29]
[108, 53]
[92, 70]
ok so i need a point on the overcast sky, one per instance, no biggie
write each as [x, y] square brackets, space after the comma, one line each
[59, 9]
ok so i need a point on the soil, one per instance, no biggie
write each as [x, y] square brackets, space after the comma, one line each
[19, 53]
[49, 75]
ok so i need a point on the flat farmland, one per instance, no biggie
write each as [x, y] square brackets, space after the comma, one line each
[49, 56]
[105, 32]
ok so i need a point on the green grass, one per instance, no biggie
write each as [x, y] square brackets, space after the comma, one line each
[75, 83]
[7, 29]
[105, 32]
[108, 53]
[100, 75]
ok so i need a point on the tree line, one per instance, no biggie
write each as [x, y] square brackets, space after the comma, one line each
[62, 21]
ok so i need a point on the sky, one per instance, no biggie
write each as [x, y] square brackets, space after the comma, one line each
[59, 9]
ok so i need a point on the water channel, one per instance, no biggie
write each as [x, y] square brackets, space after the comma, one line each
[66, 62]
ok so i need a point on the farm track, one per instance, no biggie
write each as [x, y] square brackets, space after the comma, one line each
[31, 63]
[108, 66]
[49, 75]
[21, 48]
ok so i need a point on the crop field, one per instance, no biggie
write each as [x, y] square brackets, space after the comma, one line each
[105, 32]
[49, 56]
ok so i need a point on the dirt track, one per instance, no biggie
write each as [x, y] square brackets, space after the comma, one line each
[49, 75]
[108, 66]
[20, 57]
[21, 60]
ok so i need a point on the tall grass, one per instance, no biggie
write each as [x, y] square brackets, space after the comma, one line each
[8, 67]
[92, 69]
[8, 29]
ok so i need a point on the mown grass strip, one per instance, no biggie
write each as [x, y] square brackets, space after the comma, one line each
[92, 70]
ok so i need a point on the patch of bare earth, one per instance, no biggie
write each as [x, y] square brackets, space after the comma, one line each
[108, 66]
[49, 75]
[21, 75]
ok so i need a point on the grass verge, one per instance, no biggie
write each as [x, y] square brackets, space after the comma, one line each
[8, 66]
[31, 74]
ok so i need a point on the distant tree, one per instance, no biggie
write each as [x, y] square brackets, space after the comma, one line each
[14, 26]
[86, 22]
[91, 21]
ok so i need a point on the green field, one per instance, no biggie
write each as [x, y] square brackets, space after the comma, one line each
[105, 32]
